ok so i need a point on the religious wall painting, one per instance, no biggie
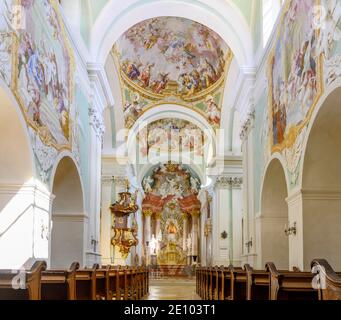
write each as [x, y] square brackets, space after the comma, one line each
[329, 41]
[44, 73]
[172, 55]
[135, 104]
[171, 136]
[6, 40]
[295, 74]
[133, 107]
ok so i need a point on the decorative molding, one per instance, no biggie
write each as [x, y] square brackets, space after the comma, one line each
[70, 217]
[229, 182]
[249, 122]
[121, 181]
[314, 194]
[107, 179]
[28, 189]
[97, 122]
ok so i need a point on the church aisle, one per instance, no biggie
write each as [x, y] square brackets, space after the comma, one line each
[172, 289]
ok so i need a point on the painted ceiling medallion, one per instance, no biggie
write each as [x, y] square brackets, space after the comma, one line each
[172, 57]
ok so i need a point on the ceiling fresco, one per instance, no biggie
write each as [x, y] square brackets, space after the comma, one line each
[172, 135]
[172, 59]
[172, 54]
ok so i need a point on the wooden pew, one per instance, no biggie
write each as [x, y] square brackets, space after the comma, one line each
[86, 283]
[131, 283]
[238, 283]
[59, 284]
[290, 285]
[102, 283]
[146, 280]
[123, 283]
[225, 278]
[215, 284]
[114, 283]
[328, 281]
[29, 289]
[198, 280]
[257, 284]
[141, 282]
[211, 283]
[207, 283]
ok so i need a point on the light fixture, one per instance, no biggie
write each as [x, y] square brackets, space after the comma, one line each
[249, 245]
[291, 230]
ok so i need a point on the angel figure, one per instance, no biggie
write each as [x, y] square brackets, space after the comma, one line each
[147, 184]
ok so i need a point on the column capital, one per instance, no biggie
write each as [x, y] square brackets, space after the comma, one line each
[234, 182]
[158, 216]
[195, 214]
[121, 181]
[184, 216]
[107, 179]
[147, 213]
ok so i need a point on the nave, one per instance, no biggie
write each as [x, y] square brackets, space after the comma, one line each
[170, 150]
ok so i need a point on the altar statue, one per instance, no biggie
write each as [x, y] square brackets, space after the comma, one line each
[171, 228]
[171, 231]
[153, 245]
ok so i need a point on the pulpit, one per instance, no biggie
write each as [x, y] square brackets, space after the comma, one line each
[124, 237]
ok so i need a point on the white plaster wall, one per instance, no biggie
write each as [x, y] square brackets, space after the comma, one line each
[67, 244]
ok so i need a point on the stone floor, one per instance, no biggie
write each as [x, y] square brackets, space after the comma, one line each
[172, 289]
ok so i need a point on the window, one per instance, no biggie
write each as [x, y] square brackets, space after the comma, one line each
[271, 9]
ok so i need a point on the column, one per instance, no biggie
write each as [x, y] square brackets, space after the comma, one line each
[250, 240]
[93, 232]
[147, 225]
[106, 222]
[185, 231]
[195, 233]
[158, 217]
[237, 224]
[222, 222]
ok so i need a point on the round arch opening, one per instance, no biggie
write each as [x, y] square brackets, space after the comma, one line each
[68, 218]
[274, 217]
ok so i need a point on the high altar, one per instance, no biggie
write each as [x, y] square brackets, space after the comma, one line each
[171, 212]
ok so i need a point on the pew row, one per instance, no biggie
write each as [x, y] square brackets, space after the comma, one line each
[96, 283]
[232, 283]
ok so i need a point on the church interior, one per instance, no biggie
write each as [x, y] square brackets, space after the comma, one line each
[170, 150]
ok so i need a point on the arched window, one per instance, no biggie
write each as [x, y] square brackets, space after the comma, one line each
[271, 9]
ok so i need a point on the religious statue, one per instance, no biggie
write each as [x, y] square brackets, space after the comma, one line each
[171, 228]
[194, 184]
[171, 231]
[153, 245]
[147, 184]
